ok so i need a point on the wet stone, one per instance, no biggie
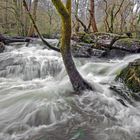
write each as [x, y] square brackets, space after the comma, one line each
[2, 47]
[130, 77]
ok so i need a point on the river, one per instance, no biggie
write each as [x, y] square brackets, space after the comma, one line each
[37, 101]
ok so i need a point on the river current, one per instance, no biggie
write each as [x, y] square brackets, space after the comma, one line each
[37, 101]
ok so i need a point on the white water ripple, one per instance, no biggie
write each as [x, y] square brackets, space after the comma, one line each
[37, 100]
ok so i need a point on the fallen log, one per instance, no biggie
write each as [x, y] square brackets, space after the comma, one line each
[7, 40]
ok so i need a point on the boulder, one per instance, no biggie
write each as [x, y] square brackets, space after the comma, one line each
[130, 76]
[2, 47]
[127, 44]
[106, 39]
[84, 37]
[111, 45]
[123, 47]
[86, 50]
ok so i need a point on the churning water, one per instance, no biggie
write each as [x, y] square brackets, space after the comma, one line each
[37, 100]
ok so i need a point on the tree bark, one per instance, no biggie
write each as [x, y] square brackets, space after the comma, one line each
[77, 25]
[77, 81]
[92, 16]
[8, 40]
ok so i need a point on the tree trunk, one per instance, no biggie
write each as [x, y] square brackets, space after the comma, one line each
[76, 79]
[77, 25]
[7, 40]
[92, 16]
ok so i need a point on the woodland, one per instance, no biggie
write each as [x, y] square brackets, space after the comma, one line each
[69, 69]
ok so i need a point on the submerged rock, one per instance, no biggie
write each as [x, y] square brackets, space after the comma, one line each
[2, 47]
[130, 77]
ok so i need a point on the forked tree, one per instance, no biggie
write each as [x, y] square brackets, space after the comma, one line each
[77, 81]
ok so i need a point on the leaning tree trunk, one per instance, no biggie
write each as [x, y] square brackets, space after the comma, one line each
[76, 79]
[36, 28]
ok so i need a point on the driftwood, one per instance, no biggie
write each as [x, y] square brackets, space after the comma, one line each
[7, 40]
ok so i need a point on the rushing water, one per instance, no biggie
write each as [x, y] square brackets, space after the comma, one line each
[37, 100]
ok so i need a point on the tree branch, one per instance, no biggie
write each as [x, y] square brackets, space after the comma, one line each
[36, 28]
[61, 8]
[119, 8]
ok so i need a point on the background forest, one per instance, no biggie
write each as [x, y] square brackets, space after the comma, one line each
[115, 16]
[69, 70]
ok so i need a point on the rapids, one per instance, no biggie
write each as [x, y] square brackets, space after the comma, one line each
[37, 100]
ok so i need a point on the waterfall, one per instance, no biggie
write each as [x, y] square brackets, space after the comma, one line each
[37, 100]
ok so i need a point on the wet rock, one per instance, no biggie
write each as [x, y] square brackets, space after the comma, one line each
[130, 77]
[86, 50]
[2, 47]
[101, 39]
[84, 37]
[98, 44]
[106, 39]
[127, 44]
[79, 50]
[116, 53]
[123, 47]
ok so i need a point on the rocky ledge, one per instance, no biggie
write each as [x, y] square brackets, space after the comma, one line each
[105, 44]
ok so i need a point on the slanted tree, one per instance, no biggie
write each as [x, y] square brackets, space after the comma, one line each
[36, 28]
[76, 79]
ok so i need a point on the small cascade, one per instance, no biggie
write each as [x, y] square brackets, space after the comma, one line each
[30, 63]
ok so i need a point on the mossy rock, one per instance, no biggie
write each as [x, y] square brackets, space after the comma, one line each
[104, 40]
[130, 76]
[86, 38]
[105, 35]
[80, 49]
[94, 37]
[128, 44]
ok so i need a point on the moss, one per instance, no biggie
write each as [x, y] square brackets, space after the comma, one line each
[130, 76]
[128, 41]
[106, 34]
[86, 38]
